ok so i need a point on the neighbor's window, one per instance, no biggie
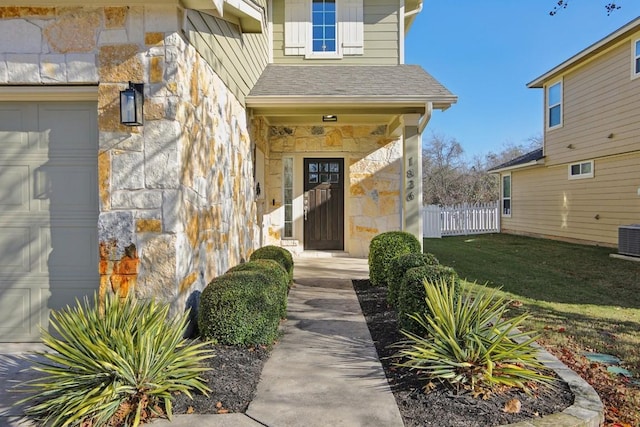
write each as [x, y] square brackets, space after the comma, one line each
[636, 58]
[287, 188]
[581, 170]
[323, 21]
[506, 195]
[554, 105]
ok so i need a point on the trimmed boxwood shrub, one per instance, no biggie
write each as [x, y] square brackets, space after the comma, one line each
[278, 278]
[281, 255]
[399, 265]
[411, 295]
[240, 308]
[383, 248]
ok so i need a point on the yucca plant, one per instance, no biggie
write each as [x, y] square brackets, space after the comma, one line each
[466, 342]
[114, 365]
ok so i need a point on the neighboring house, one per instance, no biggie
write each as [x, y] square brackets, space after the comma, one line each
[585, 182]
[287, 122]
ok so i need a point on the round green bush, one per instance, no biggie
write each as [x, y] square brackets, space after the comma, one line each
[240, 308]
[281, 255]
[276, 273]
[399, 265]
[383, 248]
[411, 295]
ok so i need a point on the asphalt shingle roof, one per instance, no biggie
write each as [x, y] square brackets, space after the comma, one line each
[348, 81]
[531, 156]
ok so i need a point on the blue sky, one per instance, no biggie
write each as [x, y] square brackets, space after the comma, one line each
[486, 51]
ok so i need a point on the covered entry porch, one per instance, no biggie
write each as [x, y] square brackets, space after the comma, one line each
[338, 153]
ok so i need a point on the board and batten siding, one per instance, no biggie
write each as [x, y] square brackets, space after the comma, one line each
[599, 99]
[545, 202]
[381, 42]
[237, 58]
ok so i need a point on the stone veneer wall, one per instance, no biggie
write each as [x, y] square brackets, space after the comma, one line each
[176, 195]
[375, 167]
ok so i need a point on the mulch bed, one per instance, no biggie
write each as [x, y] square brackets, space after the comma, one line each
[236, 371]
[441, 406]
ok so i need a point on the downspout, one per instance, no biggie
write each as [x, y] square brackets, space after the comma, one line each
[424, 120]
[401, 34]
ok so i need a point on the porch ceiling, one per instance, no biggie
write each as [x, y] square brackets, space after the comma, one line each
[356, 94]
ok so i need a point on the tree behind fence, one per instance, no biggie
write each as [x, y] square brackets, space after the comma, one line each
[461, 219]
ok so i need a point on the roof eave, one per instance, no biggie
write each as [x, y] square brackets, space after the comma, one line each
[439, 102]
[528, 165]
[575, 59]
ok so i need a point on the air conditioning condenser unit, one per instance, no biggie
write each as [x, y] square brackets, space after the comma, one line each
[629, 240]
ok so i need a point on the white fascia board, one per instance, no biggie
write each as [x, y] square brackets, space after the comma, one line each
[527, 165]
[249, 14]
[278, 101]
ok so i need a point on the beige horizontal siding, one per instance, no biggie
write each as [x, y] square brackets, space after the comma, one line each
[599, 99]
[238, 58]
[381, 29]
[546, 202]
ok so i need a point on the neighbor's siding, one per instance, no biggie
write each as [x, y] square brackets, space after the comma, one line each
[600, 98]
[545, 202]
[381, 29]
[238, 58]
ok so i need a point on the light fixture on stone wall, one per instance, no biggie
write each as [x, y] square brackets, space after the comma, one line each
[131, 102]
[329, 118]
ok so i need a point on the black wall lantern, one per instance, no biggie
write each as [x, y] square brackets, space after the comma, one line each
[131, 102]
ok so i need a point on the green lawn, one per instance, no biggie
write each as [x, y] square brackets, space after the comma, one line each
[578, 296]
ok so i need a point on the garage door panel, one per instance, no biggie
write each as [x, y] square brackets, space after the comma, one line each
[66, 140]
[15, 250]
[48, 211]
[14, 187]
[60, 297]
[16, 306]
[67, 189]
[15, 122]
[71, 251]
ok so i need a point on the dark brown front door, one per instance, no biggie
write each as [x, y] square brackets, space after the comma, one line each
[324, 204]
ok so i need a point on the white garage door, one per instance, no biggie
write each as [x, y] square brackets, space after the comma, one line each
[48, 212]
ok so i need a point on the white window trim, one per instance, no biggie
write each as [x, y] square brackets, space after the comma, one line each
[581, 175]
[310, 54]
[284, 217]
[634, 58]
[298, 30]
[548, 107]
[502, 198]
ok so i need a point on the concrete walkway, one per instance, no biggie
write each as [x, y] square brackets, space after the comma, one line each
[323, 372]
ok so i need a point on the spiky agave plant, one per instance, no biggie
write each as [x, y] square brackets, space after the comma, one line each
[467, 342]
[113, 365]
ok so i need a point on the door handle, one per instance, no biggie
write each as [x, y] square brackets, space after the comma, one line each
[306, 204]
[305, 213]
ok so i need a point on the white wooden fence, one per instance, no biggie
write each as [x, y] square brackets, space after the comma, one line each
[460, 219]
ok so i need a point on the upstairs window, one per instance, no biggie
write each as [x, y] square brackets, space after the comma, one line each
[636, 58]
[554, 105]
[323, 24]
[581, 170]
[323, 28]
[506, 195]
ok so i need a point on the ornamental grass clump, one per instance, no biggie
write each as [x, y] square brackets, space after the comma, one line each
[116, 365]
[467, 343]
[410, 297]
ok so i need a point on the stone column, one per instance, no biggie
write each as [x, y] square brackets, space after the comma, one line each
[412, 178]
